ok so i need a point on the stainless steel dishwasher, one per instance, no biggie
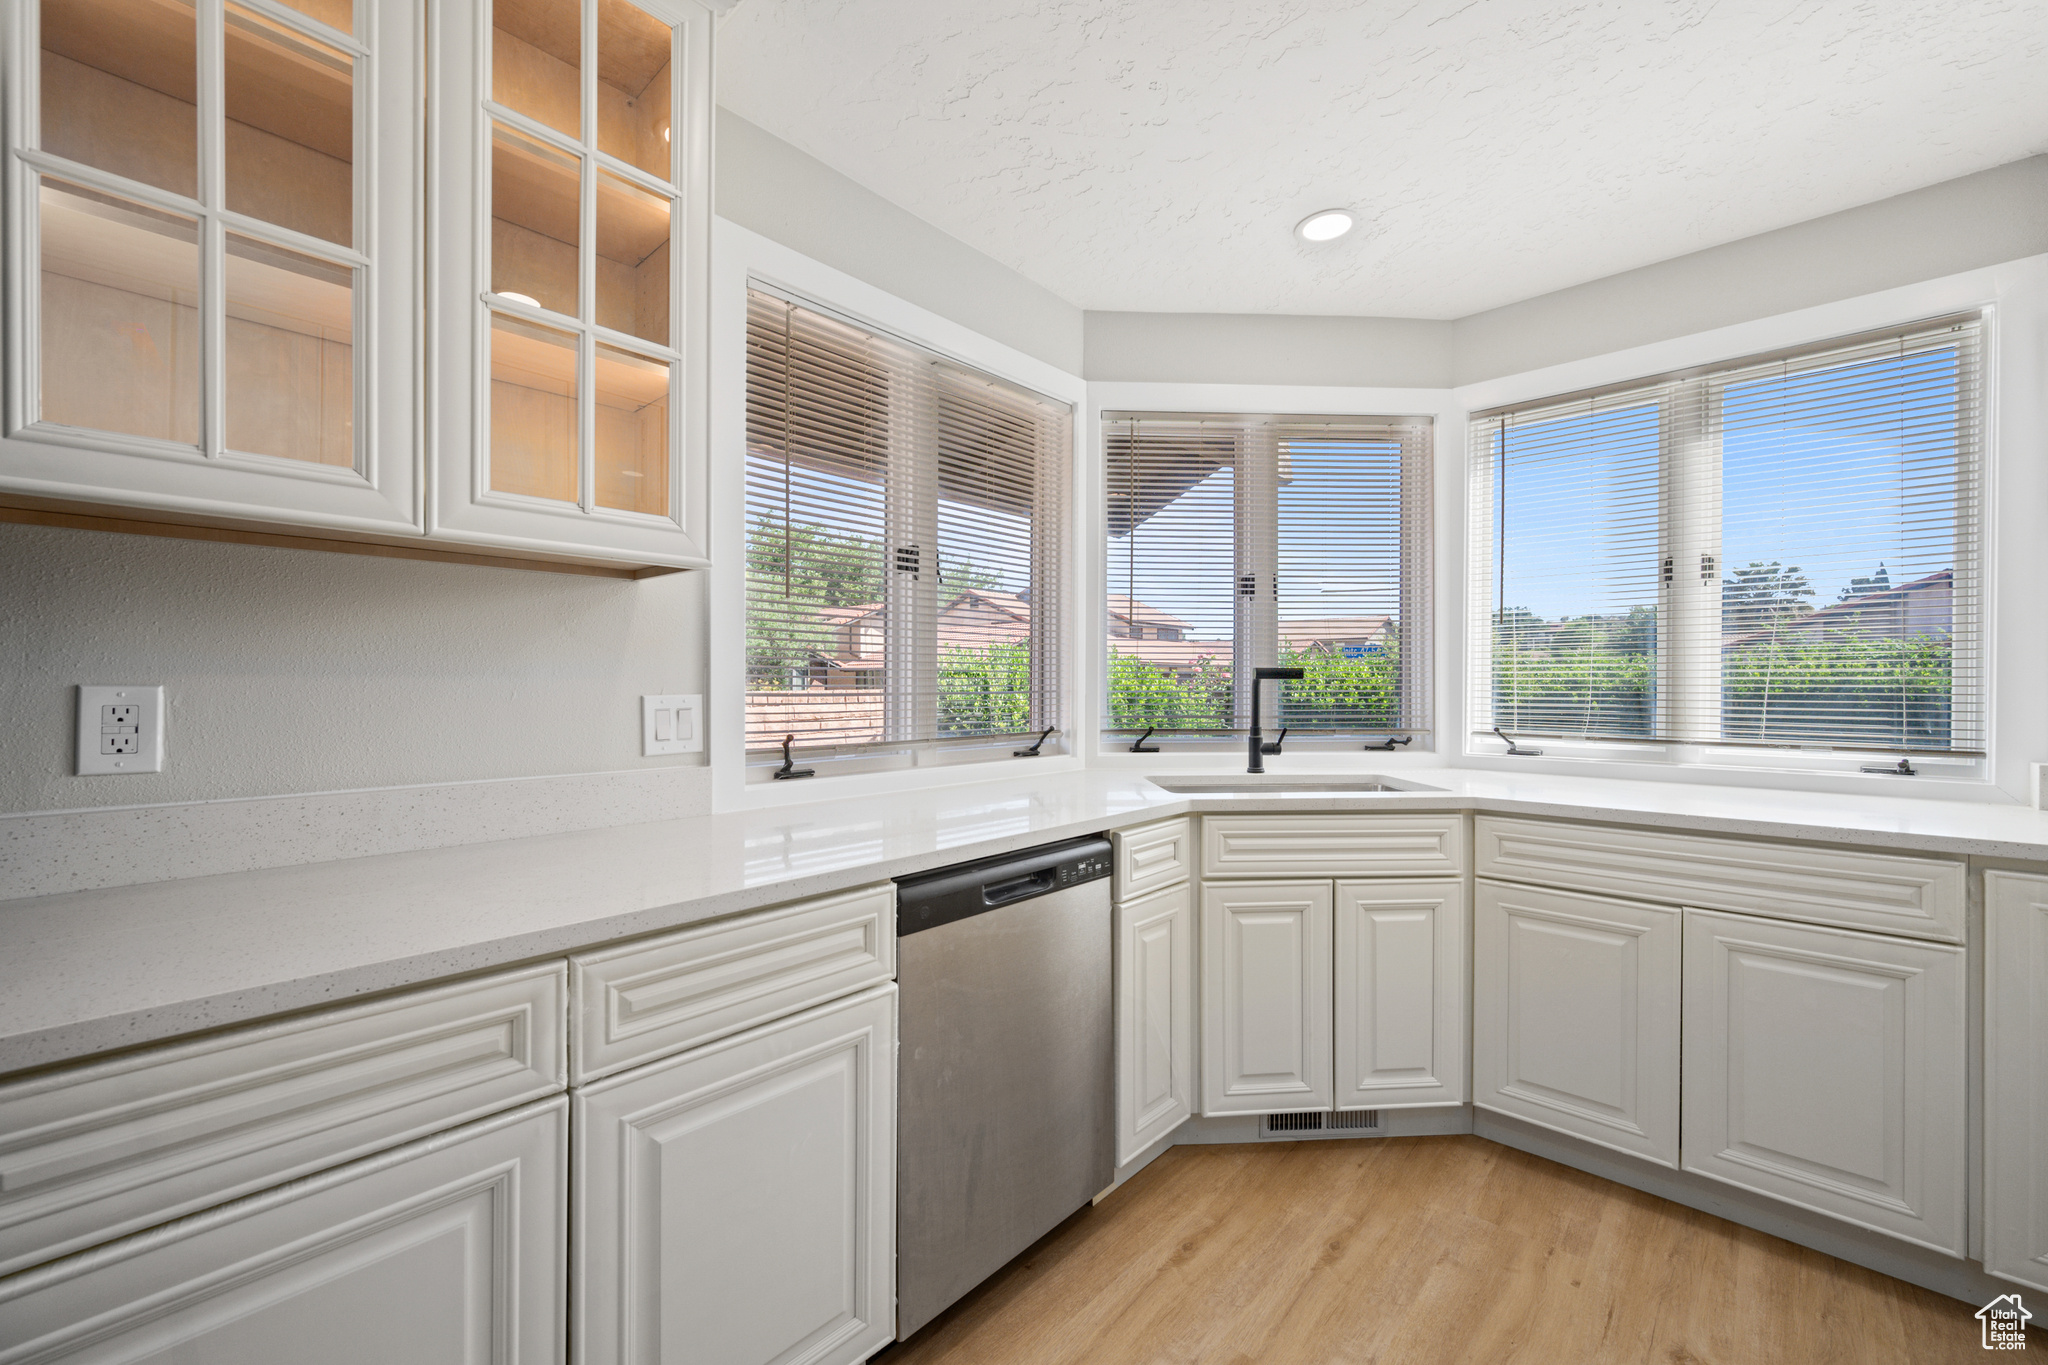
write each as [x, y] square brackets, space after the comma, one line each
[1004, 1080]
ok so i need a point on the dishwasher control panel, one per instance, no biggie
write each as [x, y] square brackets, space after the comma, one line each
[1086, 869]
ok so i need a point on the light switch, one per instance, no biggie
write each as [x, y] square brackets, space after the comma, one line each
[668, 725]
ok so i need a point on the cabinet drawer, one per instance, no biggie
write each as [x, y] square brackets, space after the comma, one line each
[649, 999]
[94, 1151]
[1889, 892]
[1331, 845]
[1154, 856]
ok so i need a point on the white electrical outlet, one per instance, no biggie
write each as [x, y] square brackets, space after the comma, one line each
[671, 725]
[120, 729]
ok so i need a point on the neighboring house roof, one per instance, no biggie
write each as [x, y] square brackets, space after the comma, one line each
[1178, 654]
[1844, 612]
[1333, 630]
[1143, 614]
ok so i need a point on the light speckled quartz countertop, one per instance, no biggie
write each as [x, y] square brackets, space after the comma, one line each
[89, 971]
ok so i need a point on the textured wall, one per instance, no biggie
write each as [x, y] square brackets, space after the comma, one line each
[770, 187]
[1963, 224]
[298, 671]
[1242, 348]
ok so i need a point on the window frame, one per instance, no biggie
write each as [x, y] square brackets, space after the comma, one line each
[1256, 500]
[911, 497]
[1690, 530]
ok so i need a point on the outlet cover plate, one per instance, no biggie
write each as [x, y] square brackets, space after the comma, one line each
[672, 724]
[120, 728]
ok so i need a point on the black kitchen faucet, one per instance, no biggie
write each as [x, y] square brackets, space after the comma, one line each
[1253, 744]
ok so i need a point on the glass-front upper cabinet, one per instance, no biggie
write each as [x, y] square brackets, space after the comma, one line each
[570, 141]
[212, 279]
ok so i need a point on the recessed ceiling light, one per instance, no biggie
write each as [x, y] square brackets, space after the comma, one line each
[1327, 225]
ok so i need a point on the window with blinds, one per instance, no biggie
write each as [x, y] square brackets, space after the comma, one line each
[1237, 541]
[904, 524]
[1776, 551]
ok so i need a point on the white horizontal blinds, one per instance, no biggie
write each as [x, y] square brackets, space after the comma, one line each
[903, 519]
[999, 525]
[1849, 600]
[1238, 541]
[1172, 494]
[818, 457]
[1351, 541]
[1577, 539]
[1780, 551]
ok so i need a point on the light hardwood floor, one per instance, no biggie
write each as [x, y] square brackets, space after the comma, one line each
[1439, 1249]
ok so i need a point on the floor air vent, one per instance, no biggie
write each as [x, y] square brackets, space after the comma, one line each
[1294, 1123]
[1350, 1120]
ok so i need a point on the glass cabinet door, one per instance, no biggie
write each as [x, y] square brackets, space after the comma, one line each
[193, 182]
[574, 137]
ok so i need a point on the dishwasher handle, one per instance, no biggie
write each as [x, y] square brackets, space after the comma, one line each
[1019, 888]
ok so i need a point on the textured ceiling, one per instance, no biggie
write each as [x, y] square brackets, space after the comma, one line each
[1155, 154]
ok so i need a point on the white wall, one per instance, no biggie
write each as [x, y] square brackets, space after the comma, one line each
[300, 671]
[1962, 224]
[769, 187]
[1236, 348]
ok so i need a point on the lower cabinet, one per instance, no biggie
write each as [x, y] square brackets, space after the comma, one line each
[2016, 1078]
[1825, 1067]
[735, 1204]
[1400, 993]
[1266, 987]
[1575, 1022]
[1155, 1023]
[446, 1251]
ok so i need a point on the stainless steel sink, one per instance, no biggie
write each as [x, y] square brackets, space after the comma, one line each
[1263, 784]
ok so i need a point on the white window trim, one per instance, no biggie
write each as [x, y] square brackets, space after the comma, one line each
[739, 256]
[1091, 531]
[2015, 657]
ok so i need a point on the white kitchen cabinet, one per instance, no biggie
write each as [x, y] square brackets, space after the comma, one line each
[566, 330]
[1266, 982]
[92, 1151]
[1575, 1018]
[2016, 1077]
[1400, 993]
[735, 1204]
[1152, 856]
[1824, 1067]
[1155, 1017]
[1917, 895]
[1332, 845]
[213, 285]
[447, 1251]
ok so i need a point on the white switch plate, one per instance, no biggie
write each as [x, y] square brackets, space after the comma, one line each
[121, 729]
[671, 725]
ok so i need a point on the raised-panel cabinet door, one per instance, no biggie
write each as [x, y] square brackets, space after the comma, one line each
[736, 1203]
[448, 1251]
[2016, 1078]
[1266, 997]
[1400, 994]
[1575, 1015]
[571, 141]
[214, 288]
[1155, 1018]
[1824, 1067]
